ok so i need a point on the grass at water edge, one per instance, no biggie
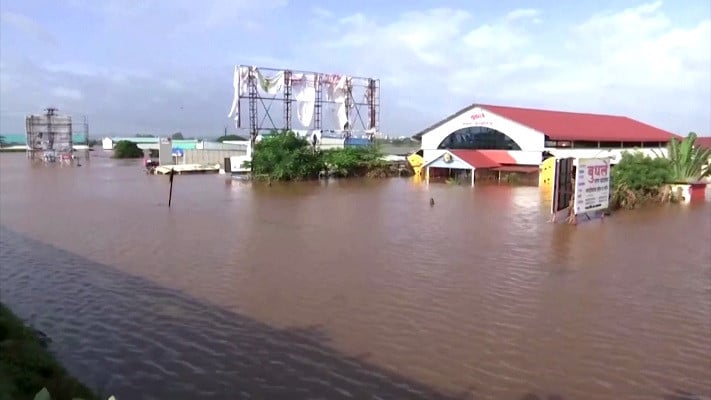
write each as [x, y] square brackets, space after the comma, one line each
[26, 366]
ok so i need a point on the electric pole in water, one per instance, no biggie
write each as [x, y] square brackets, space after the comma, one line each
[86, 135]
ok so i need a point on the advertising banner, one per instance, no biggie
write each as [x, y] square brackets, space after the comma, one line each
[592, 185]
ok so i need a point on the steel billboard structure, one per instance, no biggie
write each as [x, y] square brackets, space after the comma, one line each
[48, 133]
[284, 99]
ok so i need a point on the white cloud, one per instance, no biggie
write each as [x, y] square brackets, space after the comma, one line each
[638, 46]
[523, 13]
[66, 93]
[321, 12]
[72, 67]
[218, 12]
[119, 101]
[114, 75]
[635, 61]
[173, 84]
[26, 25]
[500, 38]
[180, 16]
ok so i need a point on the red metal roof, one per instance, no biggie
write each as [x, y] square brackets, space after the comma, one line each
[499, 156]
[526, 169]
[562, 125]
[704, 141]
[475, 158]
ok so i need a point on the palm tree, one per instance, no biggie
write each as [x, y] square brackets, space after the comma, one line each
[689, 162]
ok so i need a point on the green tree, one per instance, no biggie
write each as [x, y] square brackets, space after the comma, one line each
[689, 162]
[351, 161]
[638, 178]
[284, 156]
[177, 136]
[229, 137]
[638, 171]
[126, 149]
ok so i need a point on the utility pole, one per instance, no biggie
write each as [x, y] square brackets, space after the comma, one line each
[170, 194]
[86, 135]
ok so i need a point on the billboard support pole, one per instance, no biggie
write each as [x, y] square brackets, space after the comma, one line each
[170, 193]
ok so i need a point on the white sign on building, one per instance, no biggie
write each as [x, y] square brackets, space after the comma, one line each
[592, 185]
[165, 151]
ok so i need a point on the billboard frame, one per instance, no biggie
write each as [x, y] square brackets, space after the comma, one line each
[362, 113]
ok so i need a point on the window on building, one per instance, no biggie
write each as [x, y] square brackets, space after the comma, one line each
[556, 143]
[654, 144]
[479, 138]
[610, 145]
[585, 144]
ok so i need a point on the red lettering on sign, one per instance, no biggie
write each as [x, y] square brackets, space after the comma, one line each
[596, 171]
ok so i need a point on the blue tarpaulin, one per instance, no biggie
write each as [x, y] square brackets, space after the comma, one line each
[357, 142]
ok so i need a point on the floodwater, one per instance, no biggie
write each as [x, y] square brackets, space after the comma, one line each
[351, 289]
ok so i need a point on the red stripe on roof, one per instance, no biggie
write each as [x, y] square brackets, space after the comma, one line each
[527, 169]
[499, 156]
[703, 141]
[563, 125]
[475, 158]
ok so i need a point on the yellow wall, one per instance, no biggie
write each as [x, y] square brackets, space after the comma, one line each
[547, 175]
[416, 162]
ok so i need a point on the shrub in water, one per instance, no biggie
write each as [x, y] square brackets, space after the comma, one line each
[126, 149]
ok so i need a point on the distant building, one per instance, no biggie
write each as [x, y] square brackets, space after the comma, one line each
[107, 143]
[704, 142]
[148, 143]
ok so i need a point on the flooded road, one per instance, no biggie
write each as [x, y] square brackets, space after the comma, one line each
[351, 289]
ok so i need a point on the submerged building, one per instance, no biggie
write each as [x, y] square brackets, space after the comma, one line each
[48, 134]
[498, 139]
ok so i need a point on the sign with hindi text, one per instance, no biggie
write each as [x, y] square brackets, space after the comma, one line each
[592, 185]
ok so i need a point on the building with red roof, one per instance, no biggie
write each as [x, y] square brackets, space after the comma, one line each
[518, 139]
[577, 127]
[515, 139]
[704, 142]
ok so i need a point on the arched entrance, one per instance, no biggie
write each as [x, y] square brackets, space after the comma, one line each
[478, 138]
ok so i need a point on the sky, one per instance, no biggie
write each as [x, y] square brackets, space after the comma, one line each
[151, 66]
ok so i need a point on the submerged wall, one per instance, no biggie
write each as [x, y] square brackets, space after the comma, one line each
[209, 156]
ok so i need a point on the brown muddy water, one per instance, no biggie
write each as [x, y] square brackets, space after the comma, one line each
[351, 289]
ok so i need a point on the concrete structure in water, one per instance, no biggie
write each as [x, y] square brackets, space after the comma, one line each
[183, 151]
[230, 154]
[493, 141]
[48, 135]
[149, 143]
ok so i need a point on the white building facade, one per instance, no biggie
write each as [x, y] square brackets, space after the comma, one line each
[481, 127]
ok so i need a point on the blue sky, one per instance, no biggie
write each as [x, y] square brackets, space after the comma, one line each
[161, 67]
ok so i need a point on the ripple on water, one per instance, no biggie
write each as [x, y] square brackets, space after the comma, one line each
[351, 291]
